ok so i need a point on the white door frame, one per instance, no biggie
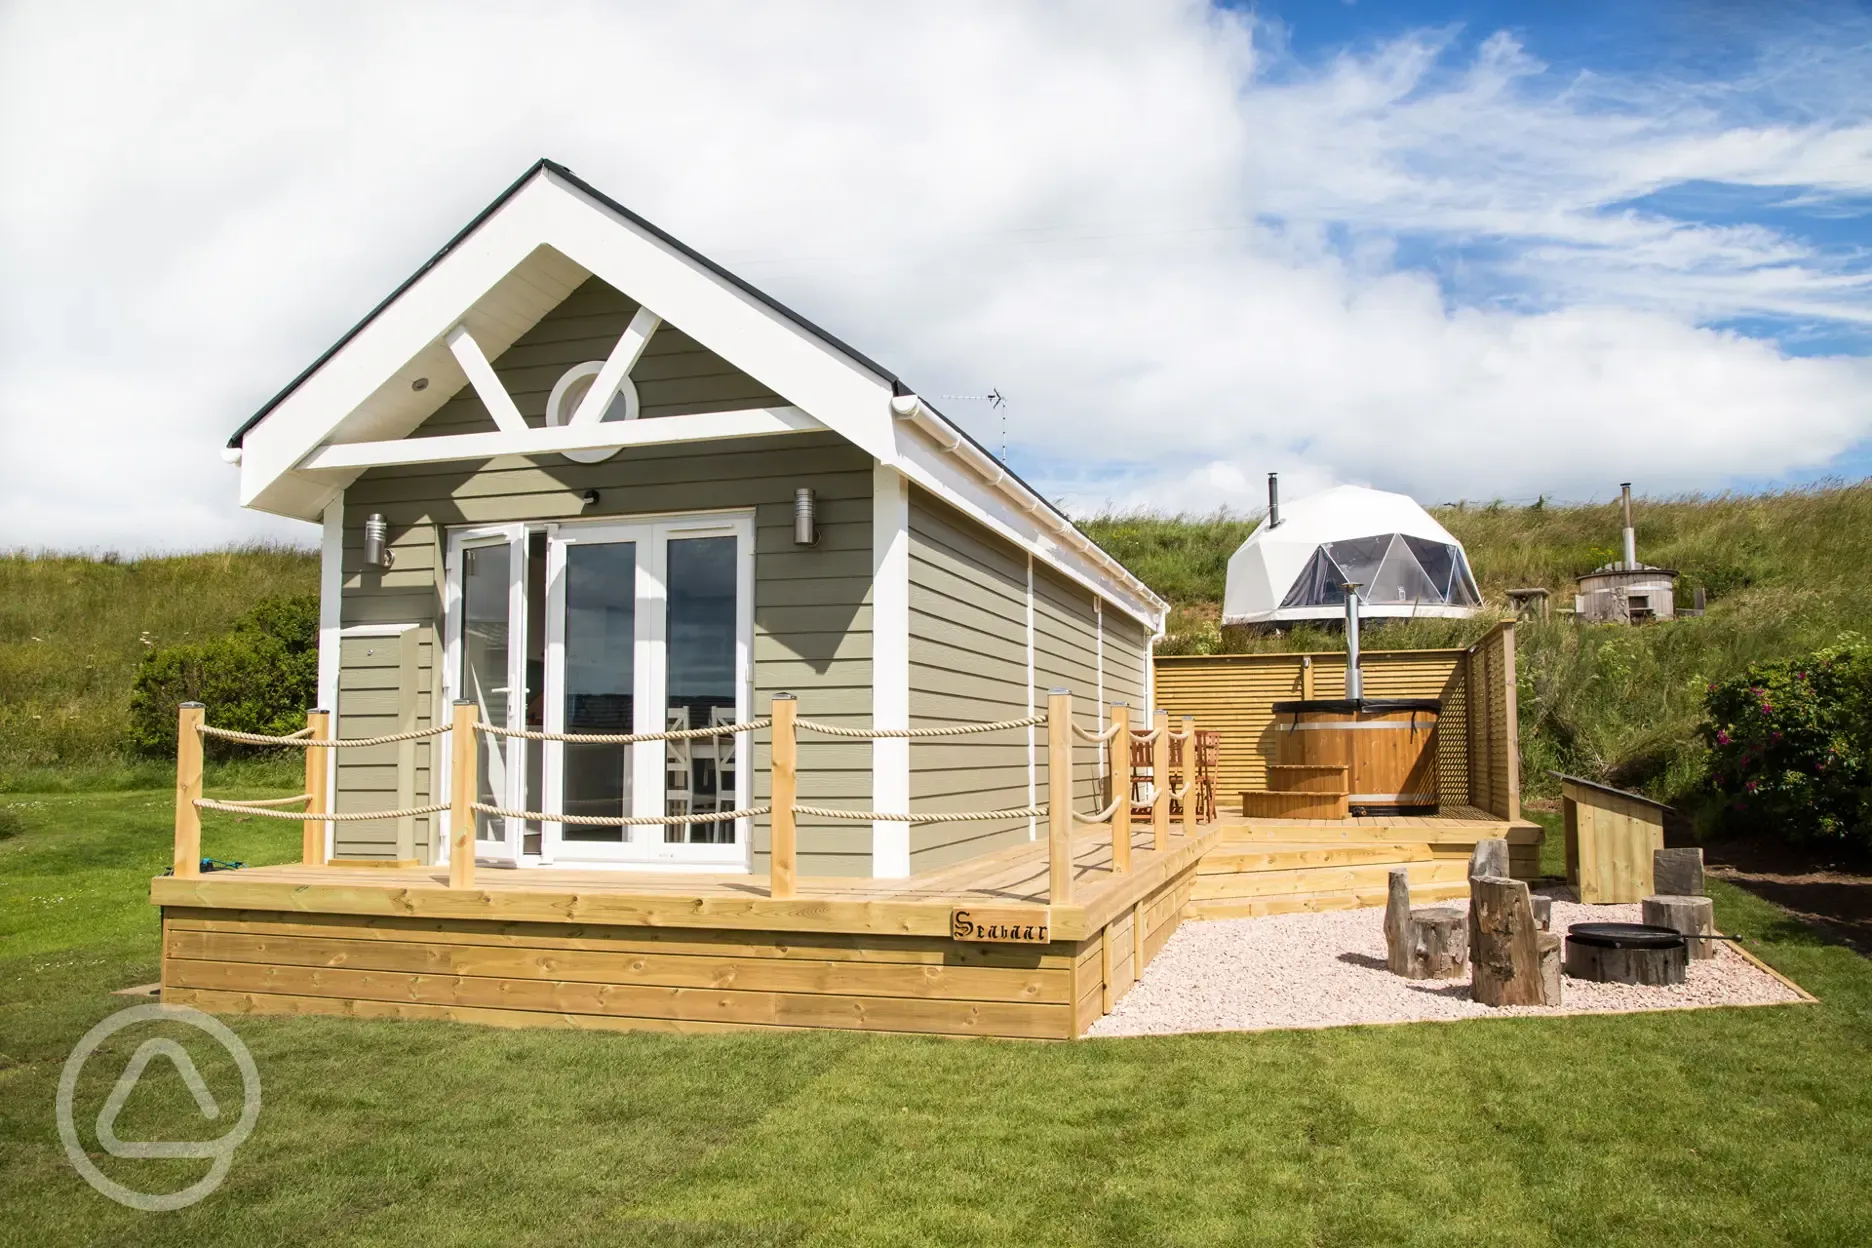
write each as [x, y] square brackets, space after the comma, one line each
[508, 849]
[643, 846]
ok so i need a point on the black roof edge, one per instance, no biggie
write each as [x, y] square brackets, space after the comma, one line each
[898, 387]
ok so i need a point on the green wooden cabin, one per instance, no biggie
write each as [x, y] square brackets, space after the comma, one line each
[620, 490]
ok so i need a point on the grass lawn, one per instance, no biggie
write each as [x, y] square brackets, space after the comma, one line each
[1734, 1126]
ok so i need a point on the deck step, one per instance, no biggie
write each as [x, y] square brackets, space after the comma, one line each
[1402, 830]
[1366, 878]
[1338, 899]
[1290, 804]
[1308, 777]
[1276, 856]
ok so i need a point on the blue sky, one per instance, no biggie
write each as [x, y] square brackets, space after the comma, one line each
[1471, 250]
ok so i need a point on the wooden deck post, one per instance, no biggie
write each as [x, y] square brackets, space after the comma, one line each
[188, 788]
[1160, 781]
[462, 789]
[1189, 775]
[317, 768]
[1059, 797]
[783, 867]
[1120, 755]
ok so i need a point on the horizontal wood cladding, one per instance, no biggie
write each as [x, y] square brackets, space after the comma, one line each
[968, 663]
[1234, 695]
[278, 963]
[812, 607]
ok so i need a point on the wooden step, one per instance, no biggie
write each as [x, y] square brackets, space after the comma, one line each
[1287, 804]
[1308, 777]
[1400, 830]
[1361, 878]
[1274, 856]
[1347, 899]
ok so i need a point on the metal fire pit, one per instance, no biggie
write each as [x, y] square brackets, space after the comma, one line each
[1626, 953]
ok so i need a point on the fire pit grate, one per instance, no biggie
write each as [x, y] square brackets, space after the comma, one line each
[1626, 953]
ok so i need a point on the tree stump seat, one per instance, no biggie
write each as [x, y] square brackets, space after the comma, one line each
[1692, 916]
[1430, 942]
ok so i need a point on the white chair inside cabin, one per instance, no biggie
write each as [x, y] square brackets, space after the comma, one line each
[678, 765]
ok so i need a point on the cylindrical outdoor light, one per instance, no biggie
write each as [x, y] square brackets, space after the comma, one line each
[805, 518]
[377, 552]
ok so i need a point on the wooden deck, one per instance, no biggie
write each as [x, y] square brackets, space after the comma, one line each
[631, 950]
[681, 952]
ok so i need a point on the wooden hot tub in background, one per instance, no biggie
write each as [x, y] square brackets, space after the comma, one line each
[1387, 747]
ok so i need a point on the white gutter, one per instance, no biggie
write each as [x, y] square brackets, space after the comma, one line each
[913, 409]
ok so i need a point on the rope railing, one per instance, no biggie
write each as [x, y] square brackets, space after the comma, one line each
[1134, 783]
[351, 816]
[622, 821]
[308, 742]
[917, 734]
[954, 816]
[624, 738]
[1123, 799]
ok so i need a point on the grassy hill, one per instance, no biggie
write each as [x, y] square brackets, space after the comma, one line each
[73, 629]
[1784, 573]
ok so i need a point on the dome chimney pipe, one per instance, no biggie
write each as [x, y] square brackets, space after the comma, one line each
[1631, 535]
[1354, 687]
[1273, 500]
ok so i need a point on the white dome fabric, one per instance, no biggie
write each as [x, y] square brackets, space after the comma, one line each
[1407, 563]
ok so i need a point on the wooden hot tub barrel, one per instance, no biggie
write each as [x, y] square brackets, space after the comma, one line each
[1386, 745]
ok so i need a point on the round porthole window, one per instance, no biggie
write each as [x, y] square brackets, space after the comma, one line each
[570, 391]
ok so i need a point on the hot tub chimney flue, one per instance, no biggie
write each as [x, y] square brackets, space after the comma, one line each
[1273, 500]
[1631, 535]
[1354, 689]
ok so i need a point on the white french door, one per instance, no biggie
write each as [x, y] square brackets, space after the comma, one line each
[610, 627]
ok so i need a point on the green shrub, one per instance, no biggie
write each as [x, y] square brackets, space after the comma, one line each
[1790, 745]
[260, 677]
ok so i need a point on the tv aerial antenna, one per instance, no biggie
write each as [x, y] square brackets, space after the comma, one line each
[995, 400]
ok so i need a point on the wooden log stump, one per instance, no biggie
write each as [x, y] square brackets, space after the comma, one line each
[1508, 952]
[1427, 943]
[1551, 965]
[1693, 916]
[1677, 873]
[1489, 858]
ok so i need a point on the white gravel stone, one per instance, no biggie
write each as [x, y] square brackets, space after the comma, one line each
[1328, 970]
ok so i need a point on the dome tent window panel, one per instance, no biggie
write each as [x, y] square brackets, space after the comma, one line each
[1447, 569]
[1400, 579]
[1322, 581]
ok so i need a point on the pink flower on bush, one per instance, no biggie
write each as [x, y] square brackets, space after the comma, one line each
[1722, 737]
[1751, 785]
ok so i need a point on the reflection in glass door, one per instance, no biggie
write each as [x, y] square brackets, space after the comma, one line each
[647, 627]
[487, 670]
[598, 580]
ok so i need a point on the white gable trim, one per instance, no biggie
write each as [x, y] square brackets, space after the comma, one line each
[559, 439]
[544, 235]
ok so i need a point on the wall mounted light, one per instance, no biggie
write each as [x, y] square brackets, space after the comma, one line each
[805, 518]
[589, 498]
[377, 552]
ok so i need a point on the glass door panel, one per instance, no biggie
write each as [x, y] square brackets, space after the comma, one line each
[600, 682]
[486, 670]
[701, 682]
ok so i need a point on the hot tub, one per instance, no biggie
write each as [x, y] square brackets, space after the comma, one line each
[1386, 745]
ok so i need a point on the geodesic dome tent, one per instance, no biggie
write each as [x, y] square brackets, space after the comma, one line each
[1404, 562]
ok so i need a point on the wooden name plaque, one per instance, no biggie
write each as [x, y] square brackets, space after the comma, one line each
[1000, 925]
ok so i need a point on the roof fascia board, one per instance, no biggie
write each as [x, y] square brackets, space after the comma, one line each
[942, 474]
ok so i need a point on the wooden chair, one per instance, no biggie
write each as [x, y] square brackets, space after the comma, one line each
[678, 765]
[1208, 760]
[1141, 779]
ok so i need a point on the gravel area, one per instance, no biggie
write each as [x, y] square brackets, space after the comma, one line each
[1328, 970]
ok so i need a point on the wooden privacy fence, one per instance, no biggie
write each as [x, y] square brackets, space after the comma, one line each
[1478, 747]
[784, 807]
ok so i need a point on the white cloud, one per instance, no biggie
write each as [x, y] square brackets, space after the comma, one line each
[1177, 250]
